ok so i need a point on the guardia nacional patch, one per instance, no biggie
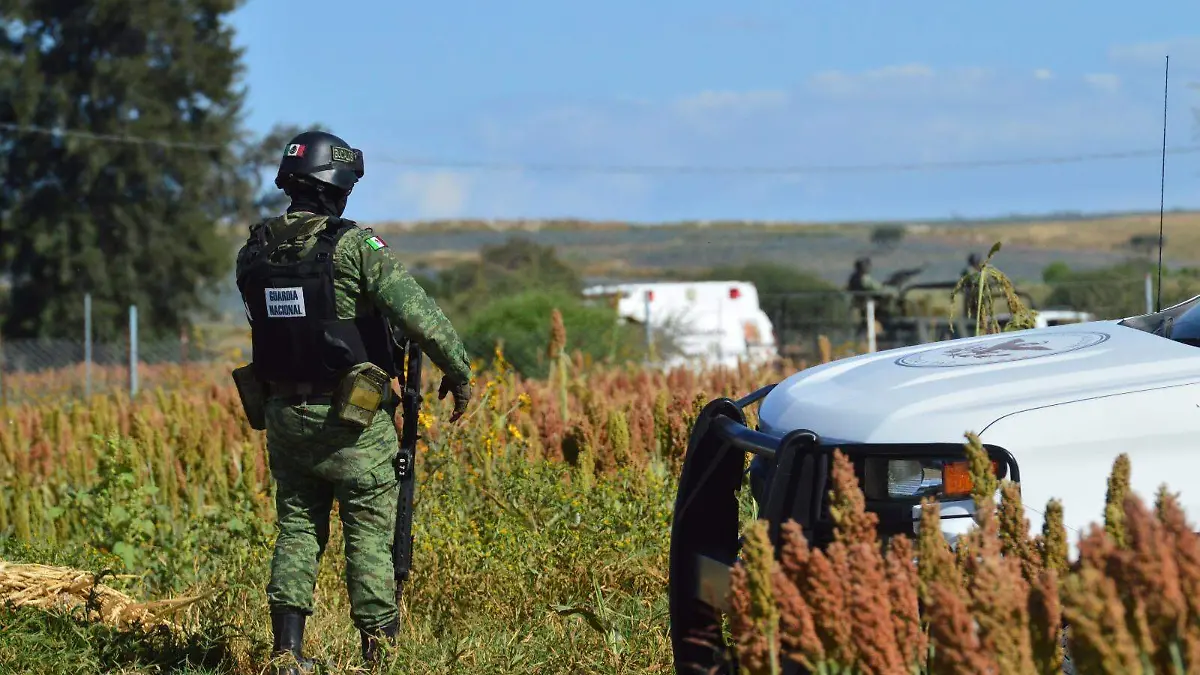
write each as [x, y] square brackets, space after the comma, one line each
[285, 303]
[376, 243]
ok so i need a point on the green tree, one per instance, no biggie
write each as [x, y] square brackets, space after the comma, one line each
[131, 222]
[506, 269]
[522, 323]
[885, 238]
[1110, 292]
[787, 293]
[1056, 271]
[1145, 245]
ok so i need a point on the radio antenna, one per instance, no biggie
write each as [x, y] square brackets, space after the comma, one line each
[1162, 191]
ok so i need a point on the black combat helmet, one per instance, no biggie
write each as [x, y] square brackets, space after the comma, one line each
[322, 157]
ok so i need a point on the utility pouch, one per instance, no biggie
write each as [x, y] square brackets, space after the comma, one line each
[253, 394]
[361, 393]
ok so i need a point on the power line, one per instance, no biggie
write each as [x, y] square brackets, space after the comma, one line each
[643, 169]
[779, 170]
[109, 138]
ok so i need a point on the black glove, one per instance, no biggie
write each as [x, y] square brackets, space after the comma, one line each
[461, 392]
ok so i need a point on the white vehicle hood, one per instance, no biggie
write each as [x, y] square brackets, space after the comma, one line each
[934, 393]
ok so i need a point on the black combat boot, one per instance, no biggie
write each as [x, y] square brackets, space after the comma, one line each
[371, 639]
[289, 638]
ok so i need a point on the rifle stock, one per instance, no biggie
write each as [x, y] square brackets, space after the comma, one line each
[410, 399]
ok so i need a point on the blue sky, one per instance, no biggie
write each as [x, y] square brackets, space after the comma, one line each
[734, 84]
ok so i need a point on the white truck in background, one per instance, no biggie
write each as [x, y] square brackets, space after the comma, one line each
[1054, 316]
[698, 323]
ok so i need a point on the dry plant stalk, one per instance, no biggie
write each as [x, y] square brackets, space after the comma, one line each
[1114, 500]
[63, 588]
[798, 632]
[999, 595]
[936, 563]
[756, 613]
[1020, 316]
[848, 604]
[824, 348]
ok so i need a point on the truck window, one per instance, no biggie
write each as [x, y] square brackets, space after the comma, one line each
[1180, 323]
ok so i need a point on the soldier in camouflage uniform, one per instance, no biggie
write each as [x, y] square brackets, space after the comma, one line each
[323, 295]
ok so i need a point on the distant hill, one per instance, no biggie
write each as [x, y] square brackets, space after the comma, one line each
[575, 224]
[622, 250]
[611, 249]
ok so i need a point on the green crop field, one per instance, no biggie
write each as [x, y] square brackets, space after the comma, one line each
[542, 531]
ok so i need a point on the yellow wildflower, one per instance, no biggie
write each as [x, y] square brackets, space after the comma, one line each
[501, 365]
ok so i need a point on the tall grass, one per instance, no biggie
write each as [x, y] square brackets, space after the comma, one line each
[542, 522]
[542, 525]
[998, 603]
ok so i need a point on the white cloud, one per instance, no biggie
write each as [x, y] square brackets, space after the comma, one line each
[734, 101]
[735, 23]
[906, 81]
[435, 194]
[516, 194]
[889, 115]
[1105, 82]
[1185, 50]
[716, 113]
[841, 82]
[898, 113]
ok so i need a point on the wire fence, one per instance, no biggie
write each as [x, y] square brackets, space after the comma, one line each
[807, 326]
[808, 323]
[33, 369]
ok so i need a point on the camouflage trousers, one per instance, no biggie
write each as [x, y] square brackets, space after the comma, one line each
[316, 458]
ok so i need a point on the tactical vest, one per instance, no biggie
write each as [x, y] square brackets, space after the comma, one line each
[295, 332]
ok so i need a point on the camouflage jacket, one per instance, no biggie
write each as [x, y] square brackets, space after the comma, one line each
[367, 275]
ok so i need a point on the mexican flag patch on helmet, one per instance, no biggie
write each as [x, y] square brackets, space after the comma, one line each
[376, 243]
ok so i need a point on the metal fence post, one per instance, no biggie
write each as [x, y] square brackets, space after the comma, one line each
[1149, 294]
[3, 393]
[87, 344]
[871, 325]
[781, 334]
[133, 352]
[649, 331]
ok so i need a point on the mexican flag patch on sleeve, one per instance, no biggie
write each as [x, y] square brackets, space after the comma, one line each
[376, 243]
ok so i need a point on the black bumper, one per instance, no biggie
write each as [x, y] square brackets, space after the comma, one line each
[705, 536]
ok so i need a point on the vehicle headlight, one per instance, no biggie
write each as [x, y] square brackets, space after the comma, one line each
[911, 478]
[915, 479]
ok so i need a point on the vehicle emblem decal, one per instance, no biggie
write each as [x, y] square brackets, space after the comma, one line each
[1003, 349]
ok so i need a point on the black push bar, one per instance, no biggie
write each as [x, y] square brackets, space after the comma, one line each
[705, 537]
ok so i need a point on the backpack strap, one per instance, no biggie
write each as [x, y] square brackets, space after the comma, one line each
[327, 239]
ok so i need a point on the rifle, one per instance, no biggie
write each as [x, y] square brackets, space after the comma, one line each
[410, 399]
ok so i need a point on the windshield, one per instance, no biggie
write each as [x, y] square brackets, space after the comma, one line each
[1180, 323]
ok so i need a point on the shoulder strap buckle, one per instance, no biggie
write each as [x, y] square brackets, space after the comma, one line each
[329, 235]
